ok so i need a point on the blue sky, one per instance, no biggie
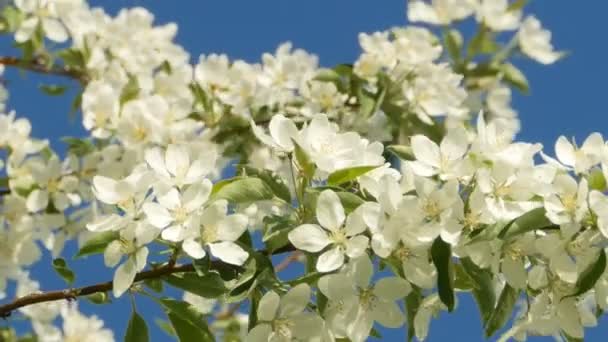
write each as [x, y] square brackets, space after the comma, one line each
[567, 98]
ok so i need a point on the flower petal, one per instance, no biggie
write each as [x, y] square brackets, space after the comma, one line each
[232, 227]
[330, 212]
[157, 215]
[392, 288]
[356, 246]
[295, 300]
[193, 249]
[268, 306]
[330, 260]
[229, 252]
[123, 277]
[309, 237]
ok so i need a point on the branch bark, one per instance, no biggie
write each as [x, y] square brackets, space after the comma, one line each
[37, 66]
[70, 294]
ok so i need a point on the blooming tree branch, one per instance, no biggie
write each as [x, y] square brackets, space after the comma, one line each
[404, 163]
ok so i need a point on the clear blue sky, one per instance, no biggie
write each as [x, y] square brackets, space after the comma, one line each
[566, 98]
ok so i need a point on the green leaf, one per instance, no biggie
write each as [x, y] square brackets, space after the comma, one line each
[305, 165]
[97, 244]
[98, 298]
[412, 304]
[137, 331]
[596, 180]
[453, 43]
[532, 220]
[186, 331]
[441, 253]
[155, 284]
[73, 58]
[210, 285]
[483, 288]
[483, 42]
[52, 89]
[517, 5]
[243, 190]
[61, 267]
[503, 310]
[130, 90]
[165, 326]
[514, 77]
[12, 18]
[274, 181]
[349, 201]
[79, 147]
[349, 174]
[591, 274]
[276, 229]
[402, 151]
[462, 280]
[186, 313]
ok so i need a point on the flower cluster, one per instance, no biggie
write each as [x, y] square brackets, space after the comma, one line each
[395, 179]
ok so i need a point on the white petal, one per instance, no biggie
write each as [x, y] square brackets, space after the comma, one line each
[54, 30]
[426, 150]
[455, 144]
[388, 314]
[37, 200]
[356, 246]
[196, 195]
[193, 249]
[170, 199]
[515, 272]
[232, 227]
[268, 306]
[360, 327]
[108, 190]
[260, 333]
[157, 215]
[392, 288]
[154, 158]
[336, 286]
[330, 260]
[564, 267]
[283, 130]
[229, 252]
[173, 233]
[112, 254]
[422, 169]
[361, 270]
[177, 160]
[295, 301]
[565, 151]
[330, 212]
[197, 170]
[123, 277]
[105, 223]
[309, 237]
[26, 29]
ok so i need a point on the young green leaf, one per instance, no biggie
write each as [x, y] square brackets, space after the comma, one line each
[61, 267]
[275, 182]
[209, 286]
[401, 151]
[130, 90]
[244, 190]
[503, 310]
[305, 165]
[483, 288]
[515, 77]
[591, 274]
[52, 89]
[349, 174]
[97, 244]
[137, 331]
[532, 220]
[98, 298]
[441, 253]
[412, 304]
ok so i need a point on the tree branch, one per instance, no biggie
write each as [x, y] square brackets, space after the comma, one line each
[38, 66]
[70, 294]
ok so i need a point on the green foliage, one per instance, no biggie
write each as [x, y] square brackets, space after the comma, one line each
[348, 175]
[242, 190]
[209, 285]
[62, 269]
[137, 331]
[441, 253]
[502, 311]
[97, 244]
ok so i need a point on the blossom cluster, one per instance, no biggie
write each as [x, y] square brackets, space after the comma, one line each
[404, 162]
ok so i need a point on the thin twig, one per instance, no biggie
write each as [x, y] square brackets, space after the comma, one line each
[71, 294]
[36, 65]
[287, 261]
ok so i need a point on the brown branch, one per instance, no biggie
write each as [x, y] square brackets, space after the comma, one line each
[70, 294]
[294, 256]
[38, 66]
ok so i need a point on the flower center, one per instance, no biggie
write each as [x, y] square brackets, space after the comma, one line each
[367, 299]
[209, 233]
[570, 203]
[339, 237]
[431, 209]
[282, 327]
[180, 214]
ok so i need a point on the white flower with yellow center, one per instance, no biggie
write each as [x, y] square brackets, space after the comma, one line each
[217, 232]
[344, 239]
